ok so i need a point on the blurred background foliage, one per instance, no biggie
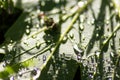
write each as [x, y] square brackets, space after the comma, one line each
[59, 39]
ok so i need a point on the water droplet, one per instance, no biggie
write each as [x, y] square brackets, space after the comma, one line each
[64, 65]
[82, 18]
[90, 75]
[114, 34]
[109, 68]
[42, 3]
[38, 44]
[34, 72]
[71, 35]
[111, 44]
[81, 27]
[81, 3]
[77, 50]
[83, 37]
[27, 26]
[4, 64]
[64, 39]
[48, 38]
[11, 41]
[20, 74]
[67, 56]
[44, 58]
[97, 53]
[27, 31]
[110, 78]
[37, 25]
[111, 54]
[92, 21]
[107, 21]
[12, 78]
[79, 57]
[97, 35]
[34, 36]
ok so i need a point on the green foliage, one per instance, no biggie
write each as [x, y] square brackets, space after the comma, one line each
[49, 42]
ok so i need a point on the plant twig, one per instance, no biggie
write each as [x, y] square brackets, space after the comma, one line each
[65, 33]
[111, 35]
[115, 68]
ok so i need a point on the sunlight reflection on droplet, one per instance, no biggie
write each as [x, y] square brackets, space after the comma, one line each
[64, 39]
[81, 27]
[12, 78]
[27, 26]
[34, 36]
[107, 22]
[38, 44]
[82, 18]
[27, 31]
[97, 53]
[92, 21]
[81, 4]
[71, 35]
[78, 57]
[37, 26]
[114, 35]
[44, 58]
[57, 1]
[97, 35]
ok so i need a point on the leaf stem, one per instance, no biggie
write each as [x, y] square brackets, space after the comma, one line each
[115, 68]
[65, 33]
[111, 35]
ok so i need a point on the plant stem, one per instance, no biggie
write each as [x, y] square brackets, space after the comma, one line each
[65, 33]
[111, 35]
[115, 68]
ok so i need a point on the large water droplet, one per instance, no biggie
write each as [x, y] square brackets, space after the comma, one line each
[77, 50]
[64, 40]
[67, 56]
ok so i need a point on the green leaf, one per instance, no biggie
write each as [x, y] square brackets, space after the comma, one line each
[18, 28]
